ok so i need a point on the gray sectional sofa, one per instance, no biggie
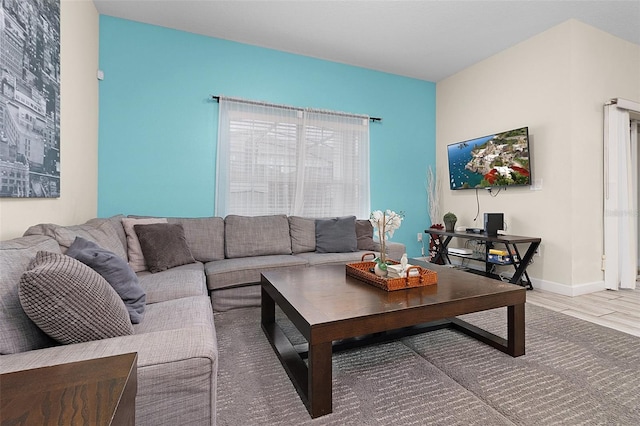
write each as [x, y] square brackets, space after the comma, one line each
[176, 339]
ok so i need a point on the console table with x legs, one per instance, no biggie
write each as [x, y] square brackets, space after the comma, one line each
[510, 242]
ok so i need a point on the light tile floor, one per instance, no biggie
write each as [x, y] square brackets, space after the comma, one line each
[619, 310]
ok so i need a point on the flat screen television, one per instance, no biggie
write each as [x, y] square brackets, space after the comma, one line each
[498, 160]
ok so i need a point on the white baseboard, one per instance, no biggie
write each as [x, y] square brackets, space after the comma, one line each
[550, 286]
[568, 290]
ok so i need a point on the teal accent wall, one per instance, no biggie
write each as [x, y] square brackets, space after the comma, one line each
[158, 125]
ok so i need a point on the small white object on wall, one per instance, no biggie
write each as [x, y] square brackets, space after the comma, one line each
[537, 185]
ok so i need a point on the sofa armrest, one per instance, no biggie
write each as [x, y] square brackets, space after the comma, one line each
[152, 349]
[177, 371]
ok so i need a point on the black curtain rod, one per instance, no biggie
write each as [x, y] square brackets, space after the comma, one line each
[217, 99]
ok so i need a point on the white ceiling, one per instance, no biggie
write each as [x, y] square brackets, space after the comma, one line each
[428, 39]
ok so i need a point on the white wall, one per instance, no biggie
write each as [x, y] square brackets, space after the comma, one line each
[79, 27]
[556, 83]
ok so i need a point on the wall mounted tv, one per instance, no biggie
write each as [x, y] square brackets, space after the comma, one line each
[498, 160]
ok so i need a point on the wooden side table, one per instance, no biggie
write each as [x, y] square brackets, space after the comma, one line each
[100, 391]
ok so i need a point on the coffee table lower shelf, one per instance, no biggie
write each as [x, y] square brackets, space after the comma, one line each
[292, 356]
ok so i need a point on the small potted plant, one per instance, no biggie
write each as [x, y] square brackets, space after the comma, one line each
[450, 220]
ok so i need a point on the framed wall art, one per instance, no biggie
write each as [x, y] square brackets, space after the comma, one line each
[30, 98]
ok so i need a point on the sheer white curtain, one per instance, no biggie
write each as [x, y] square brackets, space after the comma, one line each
[620, 193]
[275, 159]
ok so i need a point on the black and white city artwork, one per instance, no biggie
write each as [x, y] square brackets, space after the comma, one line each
[30, 98]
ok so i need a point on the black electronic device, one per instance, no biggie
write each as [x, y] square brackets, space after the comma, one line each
[475, 230]
[493, 222]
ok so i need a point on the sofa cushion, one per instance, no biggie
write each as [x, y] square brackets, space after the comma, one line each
[229, 272]
[303, 234]
[246, 236]
[101, 231]
[163, 246]
[134, 251]
[180, 313]
[116, 271]
[175, 283]
[226, 299]
[336, 235]
[17, 332]
[205, 236]
[70, 301]
[116, 223]
[317, 259]
[364, 235]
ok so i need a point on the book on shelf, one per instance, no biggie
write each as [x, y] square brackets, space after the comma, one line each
[498, 258]
[498, 252]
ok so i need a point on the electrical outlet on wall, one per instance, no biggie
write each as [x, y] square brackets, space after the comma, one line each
[419, 237]
[539, 251]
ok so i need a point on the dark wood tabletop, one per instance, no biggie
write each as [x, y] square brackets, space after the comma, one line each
[96, 392]
[325, 294]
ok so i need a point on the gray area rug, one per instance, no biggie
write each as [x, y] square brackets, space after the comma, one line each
[573, 373]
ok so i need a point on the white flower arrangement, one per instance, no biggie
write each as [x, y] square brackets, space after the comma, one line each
[386, 223]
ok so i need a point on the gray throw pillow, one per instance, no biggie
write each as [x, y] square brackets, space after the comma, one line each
[364, 234]
[164, 246]
[247, 236]
[303, 234]
[116, 271]
[71, 302]
[336, 235]
[205, 236]
[101, 231]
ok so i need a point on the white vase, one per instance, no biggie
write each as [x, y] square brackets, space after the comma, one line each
[380, 272]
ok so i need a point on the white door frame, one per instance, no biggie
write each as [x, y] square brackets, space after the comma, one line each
[620, 200]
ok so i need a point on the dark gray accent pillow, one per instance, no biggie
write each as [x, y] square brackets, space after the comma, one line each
[70, 301]
[336, 235]
[163, 246]
[116, 271]
[364, 234]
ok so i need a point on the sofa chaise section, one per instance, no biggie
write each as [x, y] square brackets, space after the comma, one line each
[177, 370]
[175, 341]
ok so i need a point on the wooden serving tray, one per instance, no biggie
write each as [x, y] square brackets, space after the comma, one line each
[361, 271]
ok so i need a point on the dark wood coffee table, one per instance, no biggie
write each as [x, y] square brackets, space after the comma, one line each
[329, 308]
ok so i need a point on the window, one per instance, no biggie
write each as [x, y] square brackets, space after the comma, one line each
[283, 160]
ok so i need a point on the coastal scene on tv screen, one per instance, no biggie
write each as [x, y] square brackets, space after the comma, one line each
[498, 160]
